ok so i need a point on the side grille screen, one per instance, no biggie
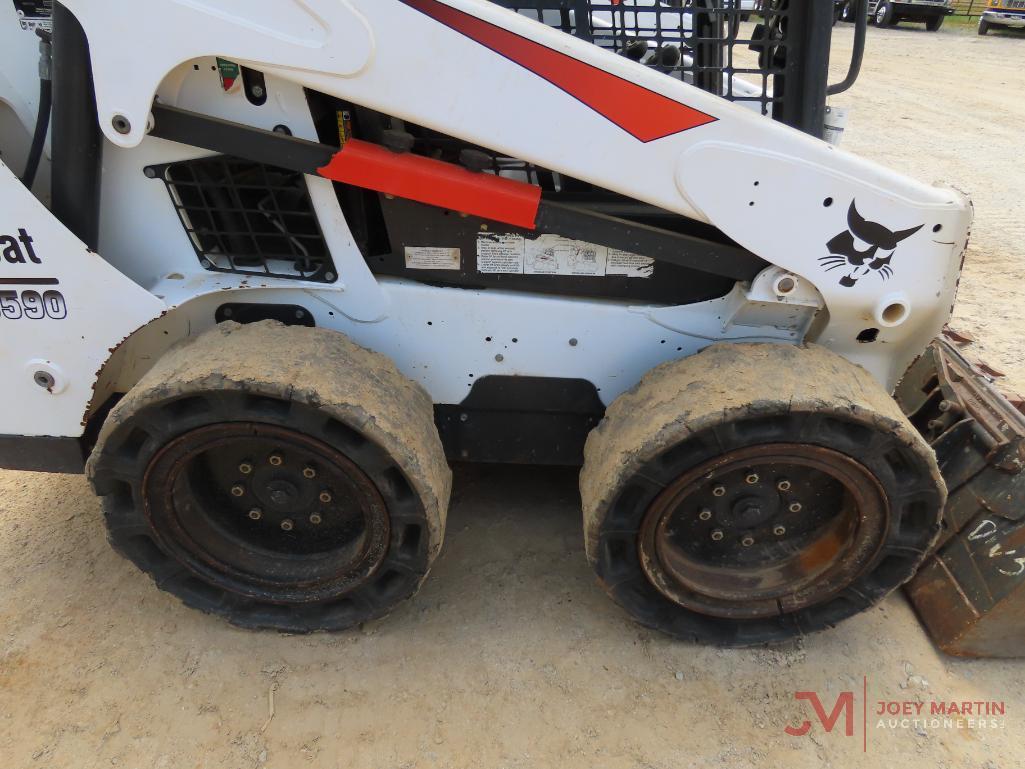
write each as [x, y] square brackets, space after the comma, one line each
[248, 218]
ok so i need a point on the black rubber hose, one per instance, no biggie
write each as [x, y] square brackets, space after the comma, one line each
[35, 154]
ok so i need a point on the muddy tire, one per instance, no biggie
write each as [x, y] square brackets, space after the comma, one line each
[754, 493]
[279, 477]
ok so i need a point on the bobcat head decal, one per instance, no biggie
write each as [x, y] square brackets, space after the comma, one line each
[846, 253]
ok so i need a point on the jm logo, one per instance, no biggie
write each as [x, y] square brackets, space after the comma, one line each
[844, 707]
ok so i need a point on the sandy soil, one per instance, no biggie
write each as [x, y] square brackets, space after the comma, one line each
[511, 656]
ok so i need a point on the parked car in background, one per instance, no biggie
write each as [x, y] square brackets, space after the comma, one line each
[886, 13]
[1002, 13]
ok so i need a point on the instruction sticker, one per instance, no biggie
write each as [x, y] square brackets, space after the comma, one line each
[556, 255]
[34, 14]
[431, 258]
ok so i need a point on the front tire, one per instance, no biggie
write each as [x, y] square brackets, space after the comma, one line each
[279, 477]
[754, 493]
[983, 27]
[934, 24]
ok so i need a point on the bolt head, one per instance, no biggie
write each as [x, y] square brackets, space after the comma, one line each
[705, 515]
[245, 468]
[717, 535]
[752, 479]
[316, 519]
[237, 490]
[287, 525]
[747, 541]
[719, 491]
[325, 497]
[255, 514]
[276, 459]
[309, 472]
[779, 531]
[783, 485]
[44, 379]
[796, 507]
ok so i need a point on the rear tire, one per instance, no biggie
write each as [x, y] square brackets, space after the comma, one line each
[279, 477]
[884, 16]
[934, 24]
[754, 493]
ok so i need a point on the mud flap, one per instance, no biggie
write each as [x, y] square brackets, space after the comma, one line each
[970, 593]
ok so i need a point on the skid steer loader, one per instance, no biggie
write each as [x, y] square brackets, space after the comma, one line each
[278, 263]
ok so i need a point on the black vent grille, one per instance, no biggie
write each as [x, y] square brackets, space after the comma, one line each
[248, 218]
[703, 42]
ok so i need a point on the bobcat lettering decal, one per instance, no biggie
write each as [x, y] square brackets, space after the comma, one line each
[846, 251]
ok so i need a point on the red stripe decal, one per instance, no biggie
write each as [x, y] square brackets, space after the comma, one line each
[644, 114]
[434, 182]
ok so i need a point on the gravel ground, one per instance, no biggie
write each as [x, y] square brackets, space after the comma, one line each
[511, 656]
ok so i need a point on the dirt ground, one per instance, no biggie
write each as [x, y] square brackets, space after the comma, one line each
[511, 656]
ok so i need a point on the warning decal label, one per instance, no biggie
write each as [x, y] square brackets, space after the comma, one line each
[556, 255]
[34, 14]
[431, 258]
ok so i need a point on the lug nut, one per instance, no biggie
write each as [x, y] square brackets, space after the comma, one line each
[315, 519]
[325, 497]
[719, 491]
[705, 515]
[276, 459]
[309, 472]
[255, 514]
[783, 485]
[237, 491]
[779, 531]
[245, 468]
[752, 479]
[795, 507]
[747, 541]
[717, 535]
[287, 525]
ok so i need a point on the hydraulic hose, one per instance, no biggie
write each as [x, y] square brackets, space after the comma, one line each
[35, 154]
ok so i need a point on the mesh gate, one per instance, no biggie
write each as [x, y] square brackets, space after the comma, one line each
[772, 55]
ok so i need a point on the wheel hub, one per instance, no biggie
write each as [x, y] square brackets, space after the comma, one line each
[762, 530]
[281, 493]
[266, 511]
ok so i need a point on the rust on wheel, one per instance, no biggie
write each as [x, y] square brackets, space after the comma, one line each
[266, 511]
[755, 493]
[763, 530]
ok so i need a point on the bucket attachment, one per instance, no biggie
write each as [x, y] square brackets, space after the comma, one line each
[970, 594]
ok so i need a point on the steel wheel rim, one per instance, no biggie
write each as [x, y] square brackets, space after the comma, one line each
[798, 557]
[313, 538]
